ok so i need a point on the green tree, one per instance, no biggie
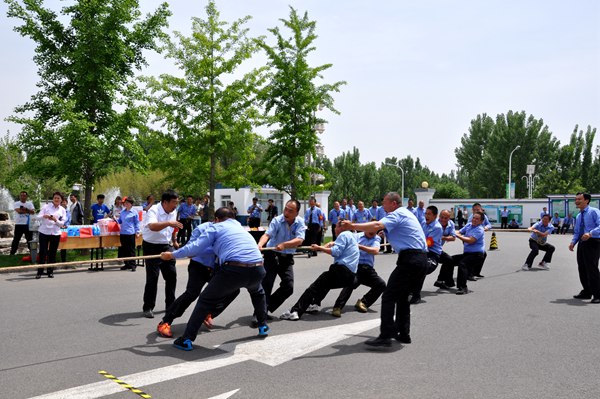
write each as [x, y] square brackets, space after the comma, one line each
[86, 57]
[207, 114]
[290, 100]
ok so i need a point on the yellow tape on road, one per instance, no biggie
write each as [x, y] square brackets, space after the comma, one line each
[125, 385]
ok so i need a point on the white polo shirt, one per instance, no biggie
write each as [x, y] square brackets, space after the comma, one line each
[22, 219]
[157, 214]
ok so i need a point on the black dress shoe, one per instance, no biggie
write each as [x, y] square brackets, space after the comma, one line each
[50, 275]
[471, 278]
[581, 295]
[595, 300]
[379, 342]
[38, 276]
[403, 338]
[479, 276]
[414, 300]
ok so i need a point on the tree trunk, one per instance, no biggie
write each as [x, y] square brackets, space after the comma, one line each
[87, 203]
[212, 184]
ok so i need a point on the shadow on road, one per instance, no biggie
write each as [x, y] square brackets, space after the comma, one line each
[121, 319]
[570, 301]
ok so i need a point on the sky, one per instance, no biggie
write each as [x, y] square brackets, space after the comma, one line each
[417, 72]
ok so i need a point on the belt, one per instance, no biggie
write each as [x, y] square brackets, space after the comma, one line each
[411, 251]
[240, 264]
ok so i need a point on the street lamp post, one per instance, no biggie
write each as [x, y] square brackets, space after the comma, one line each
[398, 166]
[508, 196]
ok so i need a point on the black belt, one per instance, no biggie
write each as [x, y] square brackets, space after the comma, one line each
[240, 264]
[411, 251]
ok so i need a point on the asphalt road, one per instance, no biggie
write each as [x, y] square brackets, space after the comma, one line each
[516, 335]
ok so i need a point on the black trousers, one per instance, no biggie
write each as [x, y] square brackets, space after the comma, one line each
[198, 275]
[338, 276]
[365, 275]
[565, 228]
[535, 250]
[282, 265]
[48, 247]
[226, 281]
[184, 234]
[467, 263]
[155, 267]
[410, 268]
[588, 253]
[446, 274]
[127, 249]
[333, 235]
[253, 222]
[432, 264]
[504, 222]
[313, 234]
[556, 228]
[20, 230]
[478, 266]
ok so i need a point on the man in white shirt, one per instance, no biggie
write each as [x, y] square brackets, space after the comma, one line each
[23, 209]
[160, 236]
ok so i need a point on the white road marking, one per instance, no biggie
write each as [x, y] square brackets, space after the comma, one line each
[272, 351]
[225, 395]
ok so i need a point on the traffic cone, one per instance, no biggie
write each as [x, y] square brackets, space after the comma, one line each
[493, 242]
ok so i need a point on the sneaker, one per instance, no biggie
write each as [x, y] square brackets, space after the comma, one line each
[208, 321]
[525, 267]
[148, 314]
[289, 315]
[164, 330]
[185, 344]
[379, 342]
[336, 312]
[360, 306]
[313, 308]
[543, 265]
[263, 331]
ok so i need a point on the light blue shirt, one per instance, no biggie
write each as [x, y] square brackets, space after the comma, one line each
[539, 226]
[567, 221]
[504, 213]
[366, 258]
[129, 221]
[421, 215]
[449, 230]
[485, 223]
[591, 220]
[348, 213]
[471, 231]
[381, 213]
[207, 258]
[255, 211]
[542, 214]
[345, 251]
[555, 220]
[229, 240]
[336, 215]
[280, 231]
[404, 230]
[314, 214]
[68, 221]
[363, 216]
[433, 234]
[374, 210]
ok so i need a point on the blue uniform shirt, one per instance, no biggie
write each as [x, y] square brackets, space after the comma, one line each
[374, 211]
[280, 231]
[229, 240]
[381, 213]
[542, 214]
[539, 226]
[186, 211]
[421, 215]
[366, 258]
[555, 220]
[345, 251]
[591, 224]
[336, 215]
[433, 234]
[471, 231]
[348, 213]
[99, 211]
[449, 230]
[404, 230]
[207, 258]
[363, 216]
[129, 221]
[314, 215]
[567, 221]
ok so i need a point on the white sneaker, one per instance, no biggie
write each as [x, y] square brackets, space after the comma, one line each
[289, 316]
[313, 309]
[543, 265]
[525, 267]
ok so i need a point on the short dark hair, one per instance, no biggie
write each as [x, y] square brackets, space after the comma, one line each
[394, 197]
[100, 196]
[62, 197]
[190, 196]
[75, 195]
[433, 209]
[481, 215]
[169, 195]
[476, 204]
[254, 198]
[295, 201]
[130, 200]
[270, 200]
[148, 197]
[546, 215]
[586, 196]
[24, 192]
[224, 213]
[118, 197]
